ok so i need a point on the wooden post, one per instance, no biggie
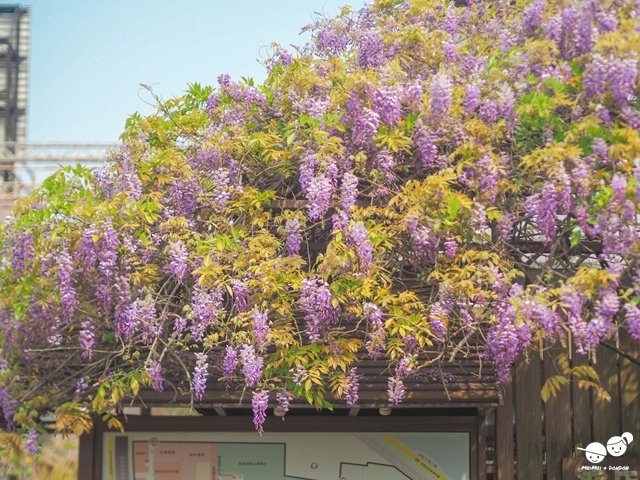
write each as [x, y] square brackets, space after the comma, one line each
[482, 445]
[630, 392]
[606, 415]
[504, 436]
[529, 418]
[581, 403]
[557, 420]
[86, 457]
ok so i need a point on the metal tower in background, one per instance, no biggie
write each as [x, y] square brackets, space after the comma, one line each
[23, 165]
[14, 54]
[29, 164]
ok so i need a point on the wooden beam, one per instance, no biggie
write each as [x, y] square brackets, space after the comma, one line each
[220, 411]
[132, 410]
[306, 423]
[487, 396]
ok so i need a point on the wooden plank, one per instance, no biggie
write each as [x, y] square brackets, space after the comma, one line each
[581, 404]
[308, 423]
[630, 392]
[504, 436]
[482, 447]
[85, 455]
[528, 418]
[99, 428]
[557, 412]
[606, 415]
[485, 397]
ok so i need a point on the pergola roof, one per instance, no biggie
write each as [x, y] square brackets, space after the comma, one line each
[461, 384]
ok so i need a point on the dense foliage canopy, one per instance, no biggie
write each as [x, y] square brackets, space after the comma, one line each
[419, 174]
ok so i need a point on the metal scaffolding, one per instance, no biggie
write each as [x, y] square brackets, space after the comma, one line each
[14, 52]
[31, 163]
[23, 166]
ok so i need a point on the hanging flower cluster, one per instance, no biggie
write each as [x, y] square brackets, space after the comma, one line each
[419, 173]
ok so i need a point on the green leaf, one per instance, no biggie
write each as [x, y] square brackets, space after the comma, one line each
[600, 392]
[576, 237]
[135, 386]
[307, 120]
[114, 424]
[576, 67]
[108, 337]
[99, 398]
[552, 386]
[453, 206]
[585, 371]
[411, 121]
[328, 405]
[601, 199]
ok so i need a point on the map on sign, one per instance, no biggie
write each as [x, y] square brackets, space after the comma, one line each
[155, 460]
[286, 456]
[171, 460]
[352, 471]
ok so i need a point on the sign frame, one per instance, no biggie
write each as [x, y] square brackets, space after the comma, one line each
[91, 444]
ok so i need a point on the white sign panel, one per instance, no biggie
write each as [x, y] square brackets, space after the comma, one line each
[286, 456]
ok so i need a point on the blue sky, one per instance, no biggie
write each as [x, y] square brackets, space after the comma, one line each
[88, 57]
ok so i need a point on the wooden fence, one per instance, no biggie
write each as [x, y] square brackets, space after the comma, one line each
[527, 438]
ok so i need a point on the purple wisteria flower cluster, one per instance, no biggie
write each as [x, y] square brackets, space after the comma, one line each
[351, 389]
[252, 365]
[200, 375]
[316, 302]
